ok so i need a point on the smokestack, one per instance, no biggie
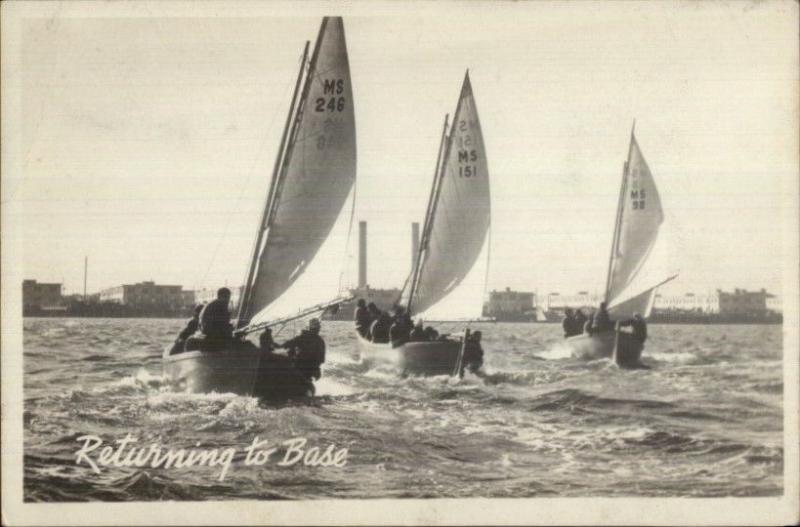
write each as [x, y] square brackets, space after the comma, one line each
[362, 254]
[414, 243]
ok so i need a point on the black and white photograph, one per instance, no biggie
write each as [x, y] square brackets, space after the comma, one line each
[400, 262]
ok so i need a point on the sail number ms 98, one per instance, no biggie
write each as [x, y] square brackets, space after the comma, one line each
[637, 192]
[329, 102]
[466, 158]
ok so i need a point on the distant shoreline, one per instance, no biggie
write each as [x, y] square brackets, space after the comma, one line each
[768, 322]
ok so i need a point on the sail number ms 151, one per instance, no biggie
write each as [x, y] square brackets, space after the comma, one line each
[466, 158]
[331, 101]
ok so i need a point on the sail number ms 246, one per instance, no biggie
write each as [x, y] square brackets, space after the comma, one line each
[637, 199]
[330, 102]
[465, 160]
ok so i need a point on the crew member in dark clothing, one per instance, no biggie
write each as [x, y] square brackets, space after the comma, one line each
[267, 344]
[639, 327]
[569, 323]
[602, 322]
[398, 332]
[401, 326]
[431, 333]
[374, 312]
[418, 333]
[379, 330]
[215, 320]
[362, 318]
[191, 327]
[277, 375]
[308, 350]
[473, 352]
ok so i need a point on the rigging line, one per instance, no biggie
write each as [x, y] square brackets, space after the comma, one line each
[251, 171]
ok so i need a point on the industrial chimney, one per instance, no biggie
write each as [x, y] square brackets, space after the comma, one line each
[414, 243]
[362, 254]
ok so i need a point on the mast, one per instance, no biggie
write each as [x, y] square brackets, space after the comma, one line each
[618, 220]
[277, 170]
[423, 244]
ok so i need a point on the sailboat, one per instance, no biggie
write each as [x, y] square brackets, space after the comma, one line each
[454, 234]
[635, 271]
[312, 177]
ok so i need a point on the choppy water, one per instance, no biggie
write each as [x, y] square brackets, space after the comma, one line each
[705, 420]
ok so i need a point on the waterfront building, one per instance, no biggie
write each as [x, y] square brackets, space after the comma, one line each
[187, 298]
[743, 303]
[145, 295]
[41, 296]
[775, 304]
[508, 303]
[582, 300]
[688, 302]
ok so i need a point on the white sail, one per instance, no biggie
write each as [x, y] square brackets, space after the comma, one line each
[311, 187]
[465, 302]
[636, 269]
[458, 219]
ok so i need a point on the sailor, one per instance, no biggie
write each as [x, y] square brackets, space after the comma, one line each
[639, 327]
[431, 333]
[602, 322]
[374, 312]
[266, 342]
[362, 318]
[379, 331]
[418, 333]
[277, 375]
[215, 320]
[401, 326]
[308, 350]
[191, 327]
[473, 352]
[568, 324]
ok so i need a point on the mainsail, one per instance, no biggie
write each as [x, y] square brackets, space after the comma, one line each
[315, 172]
[629, 289]
[459, 211]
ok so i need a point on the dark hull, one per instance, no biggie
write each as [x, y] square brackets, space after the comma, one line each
[601, 345]
[413, 358]
[243, 371]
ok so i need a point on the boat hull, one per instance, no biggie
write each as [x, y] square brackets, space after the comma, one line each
[601, 345]
[244, 371]
[437, 357]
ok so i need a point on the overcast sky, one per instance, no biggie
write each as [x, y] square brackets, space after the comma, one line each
[147, 142]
